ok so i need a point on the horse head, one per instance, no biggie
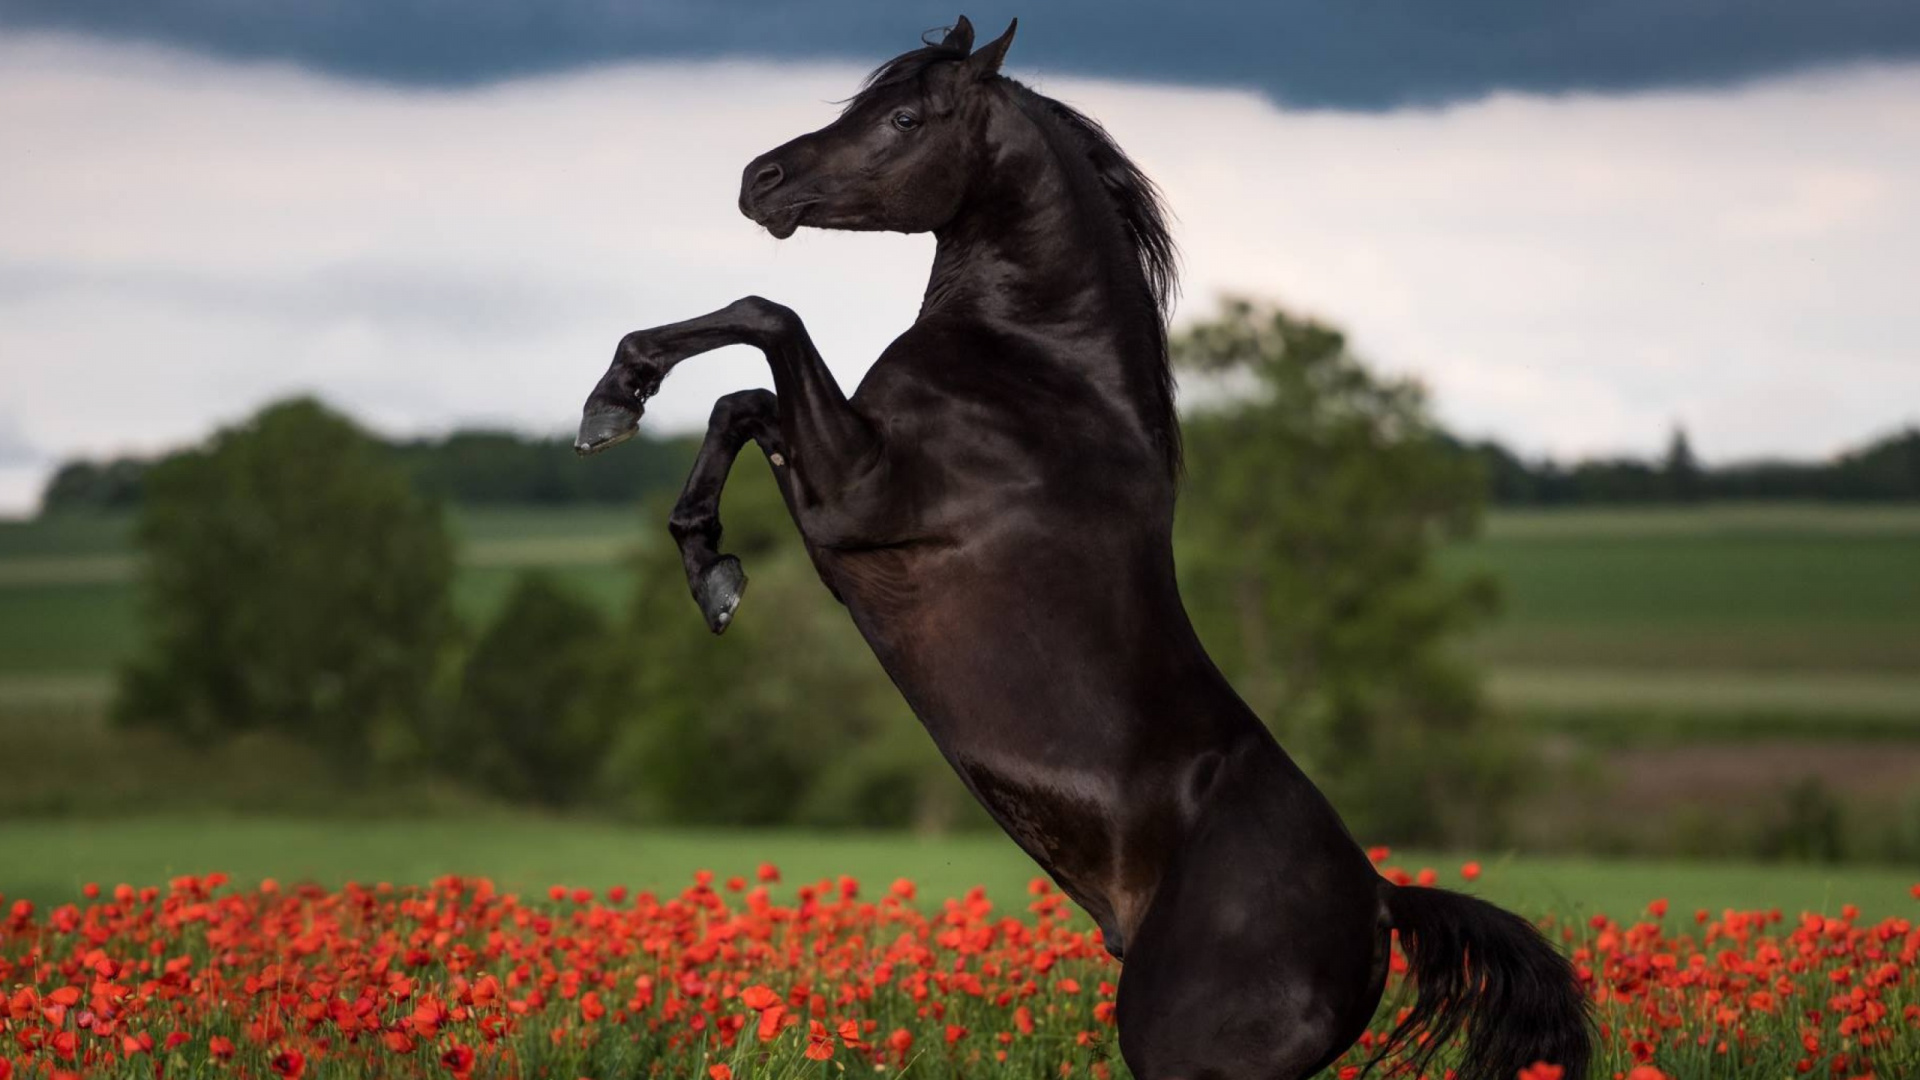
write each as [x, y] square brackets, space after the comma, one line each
[899, 157]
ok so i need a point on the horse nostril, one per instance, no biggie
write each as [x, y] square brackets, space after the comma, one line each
[768, 178]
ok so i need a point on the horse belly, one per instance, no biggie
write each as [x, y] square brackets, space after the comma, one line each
[1060, 716]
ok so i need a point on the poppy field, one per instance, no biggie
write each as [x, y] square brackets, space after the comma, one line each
[749, 977]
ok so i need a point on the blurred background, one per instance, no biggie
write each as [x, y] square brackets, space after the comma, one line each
[1548, 379]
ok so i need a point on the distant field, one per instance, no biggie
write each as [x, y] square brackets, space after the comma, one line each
[1826, 588]
[1731, 618]
[48, 861]
[68, 606]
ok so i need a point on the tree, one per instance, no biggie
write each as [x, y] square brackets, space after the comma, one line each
[86, 485]
[543, 692]
[1314, 499]
[293, 580]
[1681, 470]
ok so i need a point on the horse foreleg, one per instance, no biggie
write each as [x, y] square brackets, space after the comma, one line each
[815, 416]
[717, 580]
[825, 455]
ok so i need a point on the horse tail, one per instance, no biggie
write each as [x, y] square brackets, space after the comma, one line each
[1488, 974]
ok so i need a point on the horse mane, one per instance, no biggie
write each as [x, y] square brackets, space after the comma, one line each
[1134, 195]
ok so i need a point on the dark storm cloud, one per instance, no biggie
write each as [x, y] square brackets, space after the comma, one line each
[1350, 55]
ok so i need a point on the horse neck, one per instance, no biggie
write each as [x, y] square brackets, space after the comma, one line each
[1039, 245]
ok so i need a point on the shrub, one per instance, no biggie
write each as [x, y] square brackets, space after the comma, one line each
[540, 698]
[294, 581]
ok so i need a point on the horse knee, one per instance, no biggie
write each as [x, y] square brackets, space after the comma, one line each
[764, 318]
[732, 410]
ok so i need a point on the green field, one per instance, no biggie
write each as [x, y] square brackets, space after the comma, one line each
[1754, 618]
[49, 861]
[1703, 660]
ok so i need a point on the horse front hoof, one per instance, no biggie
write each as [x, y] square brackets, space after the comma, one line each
[721, 587]
[603, 425]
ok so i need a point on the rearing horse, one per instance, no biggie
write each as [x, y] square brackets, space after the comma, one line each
[994, 506]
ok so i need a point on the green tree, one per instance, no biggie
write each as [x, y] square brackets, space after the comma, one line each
[1316, 494]
[788, 718]
[293, 581]
[1680, 469]
[542, 694]
[87, 485]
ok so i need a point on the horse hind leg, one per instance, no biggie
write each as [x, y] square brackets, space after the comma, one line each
[1221, 1025]
[1261, 955]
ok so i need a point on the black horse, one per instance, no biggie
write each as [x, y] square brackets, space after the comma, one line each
[994, 506]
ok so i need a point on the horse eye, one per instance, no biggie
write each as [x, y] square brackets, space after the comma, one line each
[905, 121]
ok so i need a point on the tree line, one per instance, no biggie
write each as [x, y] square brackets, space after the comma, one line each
[469, 467]
[1886, 469]
[481, 467]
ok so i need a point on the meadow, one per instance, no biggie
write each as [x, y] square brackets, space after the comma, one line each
[1760, 619]
[1682, 666]
[1691, 670]
[771, 973]
[47, 861]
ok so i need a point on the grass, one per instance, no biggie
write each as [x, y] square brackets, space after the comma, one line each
[65, 628]
[49, 860]
[1702, 588]
[68, 606]
[1717, 619]
[66, 535]
[1707, 519]
[1711, 704]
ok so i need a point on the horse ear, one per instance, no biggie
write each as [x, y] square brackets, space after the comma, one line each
[959, 36]
[985, 64]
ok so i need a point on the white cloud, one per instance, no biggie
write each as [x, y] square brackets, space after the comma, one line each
[182, 239]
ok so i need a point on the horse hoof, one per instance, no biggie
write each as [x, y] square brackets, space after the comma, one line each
[721, 587]
[603, 425]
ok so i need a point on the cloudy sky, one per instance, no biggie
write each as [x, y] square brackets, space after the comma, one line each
[1578, 226]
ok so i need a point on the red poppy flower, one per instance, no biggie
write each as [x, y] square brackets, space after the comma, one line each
[819, 1041]
[458, 1059]
[66, 1045]
[220, 1048]
[759, 998]
[720, 1072]
[288, 1064]
[398, 1042]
